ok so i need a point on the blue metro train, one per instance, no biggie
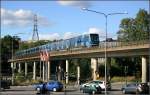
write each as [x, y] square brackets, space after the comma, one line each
[87, 40]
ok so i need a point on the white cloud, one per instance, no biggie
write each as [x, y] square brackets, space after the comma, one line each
[68, 35]
[21, 17]
[54, 36]
[80, 4]
[93, 30]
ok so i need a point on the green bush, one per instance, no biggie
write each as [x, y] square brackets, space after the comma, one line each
[21, 80]
[123, 79]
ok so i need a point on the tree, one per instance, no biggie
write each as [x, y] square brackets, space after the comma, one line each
[26, 44]
[143, 24]
[126, 31]
[85, 68]
[135, 29]
[8, 43]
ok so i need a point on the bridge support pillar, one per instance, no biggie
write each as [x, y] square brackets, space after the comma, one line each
[26, 68]
[40, 70]
[19, 70]
[48, 70]
[59, 71]
[94, 68]
[144, 69]
[43, 71]
[34, 70]
[67, 71]
[78, 71]
[15, 65]
[78, 74]
[108, 69]
[12, 66]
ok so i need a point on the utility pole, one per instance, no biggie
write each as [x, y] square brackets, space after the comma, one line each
[12, 55]
[0, 62]
[106, 17]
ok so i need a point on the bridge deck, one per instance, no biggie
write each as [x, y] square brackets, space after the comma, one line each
[113, 50]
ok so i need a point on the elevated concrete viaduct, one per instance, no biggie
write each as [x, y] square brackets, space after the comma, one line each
[119, 50]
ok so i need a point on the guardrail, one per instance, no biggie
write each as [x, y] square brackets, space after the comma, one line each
[116, 44]
[101, 46]
[121, 44]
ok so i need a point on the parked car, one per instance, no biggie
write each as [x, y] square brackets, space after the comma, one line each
[145, 88]
[102, 84]
[99, 83]
[49, 86]
[131, 88]
[87, 84]
[5, 84]
[92, 89]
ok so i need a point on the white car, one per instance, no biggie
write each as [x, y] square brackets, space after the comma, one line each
[88, 84]
[99, 83]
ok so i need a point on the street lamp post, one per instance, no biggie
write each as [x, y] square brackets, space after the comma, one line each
[12, 64]
[106, 16]
[0, 63]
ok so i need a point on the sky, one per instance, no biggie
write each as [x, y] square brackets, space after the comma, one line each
[65, 19]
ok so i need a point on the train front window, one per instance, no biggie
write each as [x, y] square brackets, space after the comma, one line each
[94, 37]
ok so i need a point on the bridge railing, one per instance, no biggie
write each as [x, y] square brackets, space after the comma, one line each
[121, 44]
[101, 46]
[109, 45]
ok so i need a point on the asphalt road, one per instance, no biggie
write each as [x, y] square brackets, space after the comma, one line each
[70, 90]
